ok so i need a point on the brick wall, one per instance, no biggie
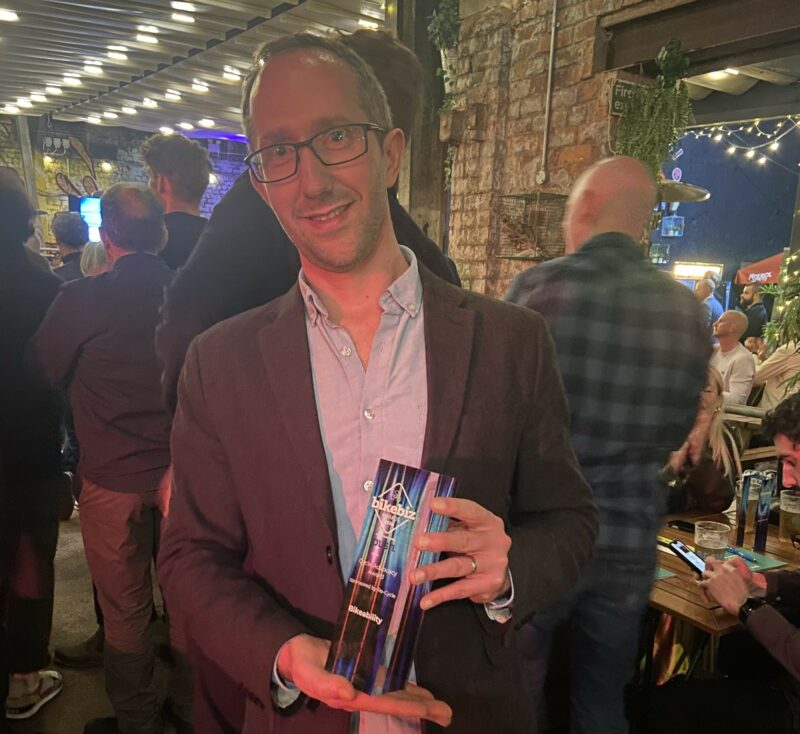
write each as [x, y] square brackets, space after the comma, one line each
[502, 63]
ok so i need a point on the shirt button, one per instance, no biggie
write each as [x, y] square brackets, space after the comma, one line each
[369, 414]
[368, 485]
[345, 351]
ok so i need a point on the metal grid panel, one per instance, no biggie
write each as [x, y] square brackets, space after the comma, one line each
[52, 37]
[528, 226]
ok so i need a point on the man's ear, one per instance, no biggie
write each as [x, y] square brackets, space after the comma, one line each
[394, 143]
[104, 238]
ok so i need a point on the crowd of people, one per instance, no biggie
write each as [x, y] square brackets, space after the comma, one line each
[216, 395]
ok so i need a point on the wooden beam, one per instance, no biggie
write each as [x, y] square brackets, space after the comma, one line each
[709, 31]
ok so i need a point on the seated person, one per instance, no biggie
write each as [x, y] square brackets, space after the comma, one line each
[733, 361]
[776, 374]
[748, 702]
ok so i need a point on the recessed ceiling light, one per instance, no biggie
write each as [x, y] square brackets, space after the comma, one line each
[23, 102]
[166, 130]
[94, 119]
[110, 115]
[147, 102]
[8, 15]
[118, 48]
[735, 72]
[72, 81]
[14, 110]
[38, 97]
[173, 95]
[205, 122]
[188, 7]
[718, 75]
[182, 18]
[230, 76]
[144, 38]
[129, 110]
[186, 125]
[93, 70]
[53, 90]
[118, 55]
[199, 86]
[93, 62]
[147, 28]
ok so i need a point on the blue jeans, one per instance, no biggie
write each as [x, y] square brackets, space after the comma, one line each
[602, 616]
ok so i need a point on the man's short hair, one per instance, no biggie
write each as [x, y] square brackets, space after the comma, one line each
[133, 217]
[182, 161]
[784, 420]
[371, 96]
[16, 213]
[70, 229]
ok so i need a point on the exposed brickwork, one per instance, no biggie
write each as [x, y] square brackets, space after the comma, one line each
[502, 62]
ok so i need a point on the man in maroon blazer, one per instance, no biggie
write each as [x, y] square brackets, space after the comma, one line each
[285, 410]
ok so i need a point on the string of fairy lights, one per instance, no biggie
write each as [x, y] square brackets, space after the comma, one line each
[756, 140]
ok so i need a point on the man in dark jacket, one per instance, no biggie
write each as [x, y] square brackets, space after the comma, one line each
[244, 258]
[71, 233]
[178, 170]
[755, 310]
[107, 361]
[30, 458]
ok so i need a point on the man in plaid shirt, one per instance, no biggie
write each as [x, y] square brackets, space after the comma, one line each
[633, 350]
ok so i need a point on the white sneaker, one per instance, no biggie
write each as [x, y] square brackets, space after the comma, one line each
[25, 700]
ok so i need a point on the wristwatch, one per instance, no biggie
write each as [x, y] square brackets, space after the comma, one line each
[749, 606]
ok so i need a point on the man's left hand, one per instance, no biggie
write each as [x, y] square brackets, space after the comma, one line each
[477, 546]
[724, 584]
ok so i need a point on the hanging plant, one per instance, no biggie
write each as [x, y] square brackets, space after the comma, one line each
[444, 25]
[657, 115]
[784, 328]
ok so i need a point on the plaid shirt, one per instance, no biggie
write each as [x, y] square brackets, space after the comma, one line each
[633, 350]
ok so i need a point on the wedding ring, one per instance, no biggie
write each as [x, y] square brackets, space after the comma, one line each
[474, 565]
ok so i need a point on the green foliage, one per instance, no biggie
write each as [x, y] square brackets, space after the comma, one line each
[785, 325]
[444, 25]
[656, 116]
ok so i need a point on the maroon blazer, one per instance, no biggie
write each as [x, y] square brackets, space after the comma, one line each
[248, 554]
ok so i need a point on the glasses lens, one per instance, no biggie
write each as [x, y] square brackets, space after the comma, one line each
[340, 144]
[278, 161]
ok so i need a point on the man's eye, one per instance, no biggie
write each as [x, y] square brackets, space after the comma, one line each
[279, 151]
[337, 136]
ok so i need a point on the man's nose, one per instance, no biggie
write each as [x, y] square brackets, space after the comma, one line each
[314, 176]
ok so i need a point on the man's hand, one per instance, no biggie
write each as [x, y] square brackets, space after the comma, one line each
[477, 546]
[756, 582]
[724, 584]
[302, 662]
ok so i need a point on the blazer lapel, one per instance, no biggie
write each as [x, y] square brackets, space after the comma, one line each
[449, 336]
[284, 347]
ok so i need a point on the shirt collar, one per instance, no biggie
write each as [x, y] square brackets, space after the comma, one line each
[613, 240]
[404, 294]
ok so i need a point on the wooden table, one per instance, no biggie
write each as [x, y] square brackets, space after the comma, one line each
[679, 594]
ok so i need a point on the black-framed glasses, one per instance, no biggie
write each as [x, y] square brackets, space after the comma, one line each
[332, 147]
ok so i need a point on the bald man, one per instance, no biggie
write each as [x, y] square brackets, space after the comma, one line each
[632, 346]
[734, 361]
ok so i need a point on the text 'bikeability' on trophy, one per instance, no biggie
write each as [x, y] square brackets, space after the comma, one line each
[376, 634]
